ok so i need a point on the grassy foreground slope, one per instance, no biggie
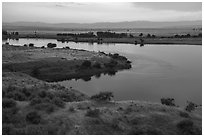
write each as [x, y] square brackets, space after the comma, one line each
[33, 106]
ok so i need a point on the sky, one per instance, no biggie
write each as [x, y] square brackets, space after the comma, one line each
[70, 12]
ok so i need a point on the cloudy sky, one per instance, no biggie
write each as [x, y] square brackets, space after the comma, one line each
[70, 12]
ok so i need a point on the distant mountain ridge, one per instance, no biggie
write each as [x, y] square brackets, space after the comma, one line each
[109, 25]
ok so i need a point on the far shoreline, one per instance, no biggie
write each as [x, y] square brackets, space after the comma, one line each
[135, 40]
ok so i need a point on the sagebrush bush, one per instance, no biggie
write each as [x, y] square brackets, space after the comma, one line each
[97, 65]
[71, 109]
[35, 101]
[33, 117]
[184, 114]
[19, 96]
[8, 103]
[42, 94]
[86, 64]
[191, 106]
[111, 64]
[145, 131]
[93, 113]
[8, 129]
[36, 130]
[58, 102]
[103, 96]
[186, 127]
[168, 101]
[26, 92]
[11, 115]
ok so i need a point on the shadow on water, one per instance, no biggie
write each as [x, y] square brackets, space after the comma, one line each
[88, 78]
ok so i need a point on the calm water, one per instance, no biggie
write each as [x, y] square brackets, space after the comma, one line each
[157, 71]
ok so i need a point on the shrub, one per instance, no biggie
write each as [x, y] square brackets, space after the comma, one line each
[26, 92]
[103, 96]
[145, 131]
[50, 95]
[42, 94]
[11, 115]
[51, 45]
[128, 61]
[35, 101]
[8, 103]
[58, 102]
[11, 88]
[36, 130]
[111, 64]
[8, 129]
[19, 96]
[50, 108]
[4, 32]
[134, 121]
[97, 65]
[111, 72]
[168, 101]
[20, 131]
[67, 47]
[71, 109]
[33, 117]
[31, 45]
[86, 64]
[185, 126]
[128, 110]
[184, 114]
[93, 113]
[191, 106]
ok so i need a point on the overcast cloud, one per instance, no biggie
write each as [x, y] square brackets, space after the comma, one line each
[100, 12]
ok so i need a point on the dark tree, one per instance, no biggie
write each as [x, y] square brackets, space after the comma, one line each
[148, 35]
[141, 34]
[4, 32]
[16, 33]
[51, 45]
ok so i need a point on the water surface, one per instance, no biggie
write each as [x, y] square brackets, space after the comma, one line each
[157, 71]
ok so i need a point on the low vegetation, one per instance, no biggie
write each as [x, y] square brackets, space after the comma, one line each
[191, 106]
[51, 45]
[168, 101]
[93, 113]
[187, 127]
[103, 96]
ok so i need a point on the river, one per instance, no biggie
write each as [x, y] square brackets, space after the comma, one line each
[157, 71]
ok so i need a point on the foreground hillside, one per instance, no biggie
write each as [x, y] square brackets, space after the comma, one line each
[34, 106]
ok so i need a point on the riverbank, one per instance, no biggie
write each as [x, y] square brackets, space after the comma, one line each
[61, 64]
[34, 106]
[135, 40]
